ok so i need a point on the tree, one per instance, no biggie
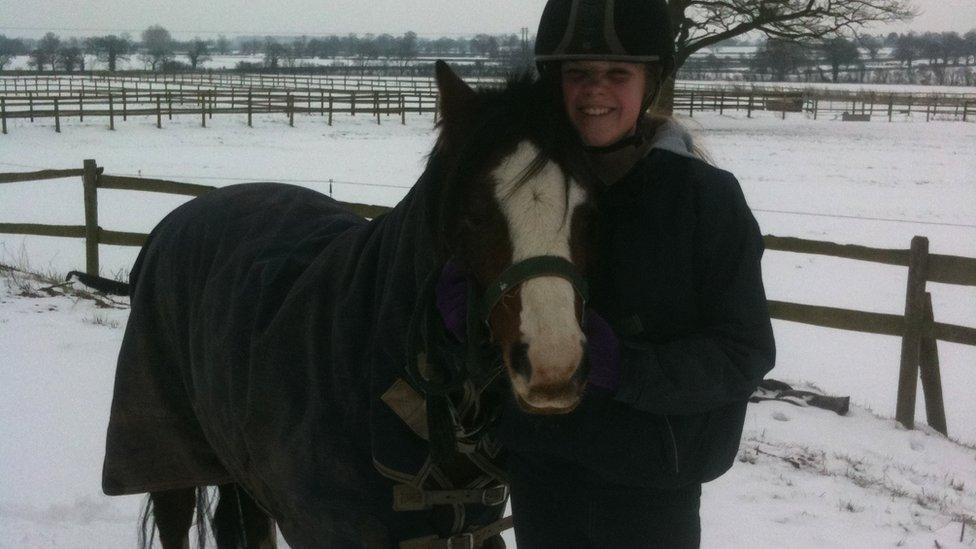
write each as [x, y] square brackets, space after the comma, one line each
[872, 44]
[111, 48]
[839, 52]
[46, 52]
[951, 47]
[223, 45]
[970, 46]
[702, 23]
[273, 52]
[70, 56]
[198, 52]
[9, 47]
[407, 45]
[908, 48]
[779, 58]
[157, 45]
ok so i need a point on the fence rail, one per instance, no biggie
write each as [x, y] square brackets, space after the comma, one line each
[62, 97]
[917, 328]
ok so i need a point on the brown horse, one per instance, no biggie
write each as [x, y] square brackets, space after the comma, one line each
[290, 353]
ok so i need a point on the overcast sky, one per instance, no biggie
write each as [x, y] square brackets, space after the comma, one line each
[186, 18]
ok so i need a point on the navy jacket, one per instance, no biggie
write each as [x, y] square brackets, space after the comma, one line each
[681, 283]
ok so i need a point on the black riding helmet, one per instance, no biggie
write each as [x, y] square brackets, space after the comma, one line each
[633, 31]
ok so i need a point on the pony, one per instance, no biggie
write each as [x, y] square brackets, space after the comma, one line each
[291, 353]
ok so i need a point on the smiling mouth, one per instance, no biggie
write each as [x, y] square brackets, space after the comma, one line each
[596, 111]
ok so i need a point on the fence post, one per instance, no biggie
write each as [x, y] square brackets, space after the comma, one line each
[965, 111]
[352, 103]
[90, 181]
[911, 339]
[159, 113]
[169, 105]
[125, 107]
[250, 109]
[376, 106]
[30, 103]
[930, 374]
[290, 105]
[111, 112]
[3, 114]
[203, 110]
[891, 105]
[403, 110]
[330, 108]
[749, 107]
[81, 108]
[57, 116]
[691, 105]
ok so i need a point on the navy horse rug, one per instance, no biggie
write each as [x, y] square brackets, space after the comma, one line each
[272, 335]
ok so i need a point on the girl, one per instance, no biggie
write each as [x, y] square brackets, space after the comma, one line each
[687, 336]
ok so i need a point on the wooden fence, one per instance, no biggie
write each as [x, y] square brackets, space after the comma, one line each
[917, 328]
[224, 94]
[205, 104]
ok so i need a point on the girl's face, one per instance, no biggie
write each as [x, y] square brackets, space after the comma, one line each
[603, 98]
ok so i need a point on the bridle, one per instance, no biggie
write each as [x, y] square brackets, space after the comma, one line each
[441, 365]
[527, 269]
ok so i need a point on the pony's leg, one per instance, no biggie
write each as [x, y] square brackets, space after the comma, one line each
[240, 522]
[173, 512]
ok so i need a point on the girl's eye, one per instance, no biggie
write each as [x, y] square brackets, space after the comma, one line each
[619, 76]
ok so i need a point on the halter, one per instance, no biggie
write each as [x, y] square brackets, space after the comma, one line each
[533, 267]
[441, 365]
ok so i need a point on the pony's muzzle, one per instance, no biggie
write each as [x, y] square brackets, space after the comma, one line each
[548, 381]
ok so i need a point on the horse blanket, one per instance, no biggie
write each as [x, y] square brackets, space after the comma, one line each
[267, 324]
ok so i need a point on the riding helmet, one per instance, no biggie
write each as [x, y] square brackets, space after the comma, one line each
[634, 31]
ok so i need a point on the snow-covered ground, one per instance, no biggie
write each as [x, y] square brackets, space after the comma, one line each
[806, 477]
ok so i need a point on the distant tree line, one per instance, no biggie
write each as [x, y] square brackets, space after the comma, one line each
[823, 58]
[160, 52]
[828, 58]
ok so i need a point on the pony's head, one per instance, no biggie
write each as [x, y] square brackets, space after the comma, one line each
[516, 187]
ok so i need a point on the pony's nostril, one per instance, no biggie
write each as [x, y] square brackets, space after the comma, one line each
[520, 360]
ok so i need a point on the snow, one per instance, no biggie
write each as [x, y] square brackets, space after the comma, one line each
[806, 477]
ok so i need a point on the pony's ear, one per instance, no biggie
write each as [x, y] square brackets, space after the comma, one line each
[455, 95]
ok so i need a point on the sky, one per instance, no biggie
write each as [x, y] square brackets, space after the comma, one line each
[188, 18]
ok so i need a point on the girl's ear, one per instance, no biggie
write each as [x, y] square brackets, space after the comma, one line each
[455, 96]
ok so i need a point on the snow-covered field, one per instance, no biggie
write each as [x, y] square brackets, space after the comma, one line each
[806, 477]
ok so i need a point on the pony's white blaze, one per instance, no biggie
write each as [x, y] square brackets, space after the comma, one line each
[539, 224]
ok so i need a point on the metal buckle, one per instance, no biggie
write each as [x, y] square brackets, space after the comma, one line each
[496, 495]
[461, 541]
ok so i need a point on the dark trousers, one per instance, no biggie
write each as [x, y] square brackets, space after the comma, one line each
[559, 507]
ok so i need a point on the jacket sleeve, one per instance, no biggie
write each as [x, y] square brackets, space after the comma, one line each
[726, 357]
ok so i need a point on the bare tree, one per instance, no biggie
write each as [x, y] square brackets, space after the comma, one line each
[223, 45]
[702, 23]
[46, 52]
[871, 43]
[779, 58]
[157, 46]
[198, 52]
[839, 52]
[908, 48]
[9, 47]
[111, 48]
[273, 52]
[970, 45]
[70, 56]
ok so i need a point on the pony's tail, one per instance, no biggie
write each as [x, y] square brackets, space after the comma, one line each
[203, 517]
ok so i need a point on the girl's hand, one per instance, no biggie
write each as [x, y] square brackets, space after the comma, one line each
[602, 352]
